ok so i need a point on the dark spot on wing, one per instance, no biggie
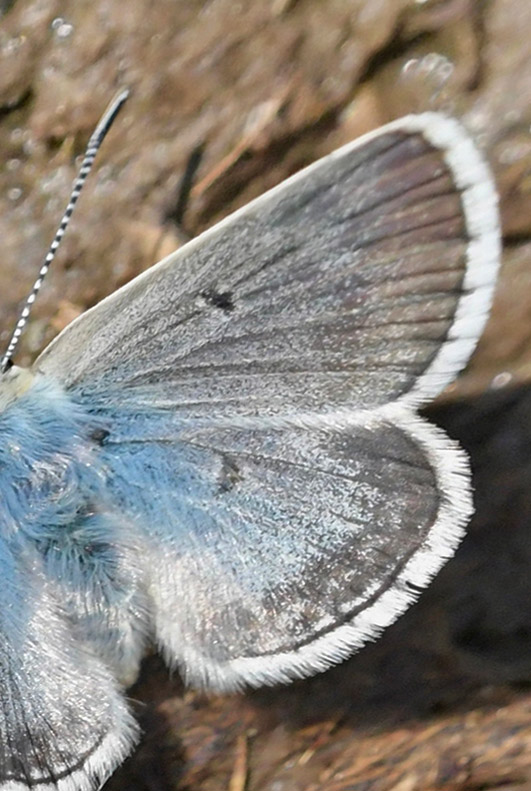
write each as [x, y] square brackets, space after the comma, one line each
[219, 299]
[230, 475]
[99, 435]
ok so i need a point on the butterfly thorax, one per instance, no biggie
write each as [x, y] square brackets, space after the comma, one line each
[47, 455]
[57, 507]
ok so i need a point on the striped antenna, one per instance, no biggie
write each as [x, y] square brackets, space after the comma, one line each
[94, 143]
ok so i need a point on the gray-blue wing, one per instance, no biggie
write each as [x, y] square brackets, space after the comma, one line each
[64, 725]
[276, 550]
[365, 277]
[259, 388]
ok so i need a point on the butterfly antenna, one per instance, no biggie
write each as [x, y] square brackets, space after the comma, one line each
[94, 143]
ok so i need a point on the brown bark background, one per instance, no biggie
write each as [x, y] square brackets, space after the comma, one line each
[442, 701]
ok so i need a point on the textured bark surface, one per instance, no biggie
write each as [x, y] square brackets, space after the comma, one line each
[266, 86]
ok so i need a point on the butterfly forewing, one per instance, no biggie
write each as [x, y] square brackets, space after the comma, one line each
[335, 290]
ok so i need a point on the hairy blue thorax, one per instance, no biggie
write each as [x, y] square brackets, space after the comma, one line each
[60, 521]
[50, 470]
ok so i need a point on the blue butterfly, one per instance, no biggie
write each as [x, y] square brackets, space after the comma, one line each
[225, 457]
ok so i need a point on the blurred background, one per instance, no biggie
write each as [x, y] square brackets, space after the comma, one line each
[262, 88]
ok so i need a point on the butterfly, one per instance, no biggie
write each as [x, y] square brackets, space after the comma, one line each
[225, 457]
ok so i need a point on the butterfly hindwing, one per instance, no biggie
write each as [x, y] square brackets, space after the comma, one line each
[277, 548]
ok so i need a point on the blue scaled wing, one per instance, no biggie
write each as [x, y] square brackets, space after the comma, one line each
[260, 389]
[278, 549]
[64, 725]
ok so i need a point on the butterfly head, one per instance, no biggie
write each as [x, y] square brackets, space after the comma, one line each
[13, 383]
